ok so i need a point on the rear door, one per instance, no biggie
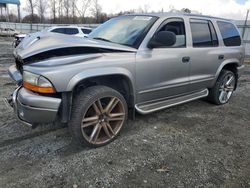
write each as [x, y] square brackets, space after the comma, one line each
[205, 54]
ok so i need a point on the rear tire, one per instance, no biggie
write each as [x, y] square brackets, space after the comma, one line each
[223, 88]
[98, 115]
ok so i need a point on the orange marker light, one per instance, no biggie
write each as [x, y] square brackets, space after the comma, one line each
[38, 89]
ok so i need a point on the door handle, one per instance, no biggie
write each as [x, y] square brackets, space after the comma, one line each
[185, 59]
[220, 57]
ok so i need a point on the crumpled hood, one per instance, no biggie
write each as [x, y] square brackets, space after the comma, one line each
[57, 44]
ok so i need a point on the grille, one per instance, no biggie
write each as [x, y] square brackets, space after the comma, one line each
[19, 65]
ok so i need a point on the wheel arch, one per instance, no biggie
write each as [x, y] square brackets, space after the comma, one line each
[228, 65]
[117, 78]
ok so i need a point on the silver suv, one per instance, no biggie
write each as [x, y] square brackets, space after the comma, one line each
[132, 63]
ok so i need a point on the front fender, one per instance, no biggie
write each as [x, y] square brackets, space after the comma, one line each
[95, 72]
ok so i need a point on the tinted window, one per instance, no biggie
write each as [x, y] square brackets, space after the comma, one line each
[178, 28]
[230, 34]
[58, 30]
[86, 31]
[71, 31]
[203, 34]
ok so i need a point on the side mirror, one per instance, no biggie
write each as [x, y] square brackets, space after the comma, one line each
[162, 39]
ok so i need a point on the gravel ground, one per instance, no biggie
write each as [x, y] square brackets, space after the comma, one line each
[192, 145]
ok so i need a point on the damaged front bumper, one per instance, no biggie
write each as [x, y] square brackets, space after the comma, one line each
[32, 108]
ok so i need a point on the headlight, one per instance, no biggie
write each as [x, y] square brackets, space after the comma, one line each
[37, 83]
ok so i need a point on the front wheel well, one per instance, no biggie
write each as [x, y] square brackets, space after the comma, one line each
[120, 83]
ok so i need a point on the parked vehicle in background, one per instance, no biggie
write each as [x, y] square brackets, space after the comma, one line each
[8, 32]
[70, 30]
[66, 30]
[131, 63]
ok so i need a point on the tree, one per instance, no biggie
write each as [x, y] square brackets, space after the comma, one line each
[31, 19]
[186, 10]
[60, 10]
[66, 4]
[41, 9]
[84, 8]
[30, 7]
[53, 5]
[73, 9]
[96, 10]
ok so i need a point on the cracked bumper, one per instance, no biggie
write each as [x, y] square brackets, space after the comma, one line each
[31, 108]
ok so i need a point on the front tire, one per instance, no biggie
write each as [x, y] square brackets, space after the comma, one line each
[98, 115]
[223, 88]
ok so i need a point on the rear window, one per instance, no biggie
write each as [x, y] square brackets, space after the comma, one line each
[230, 34]
[86, 31]
[203, 33]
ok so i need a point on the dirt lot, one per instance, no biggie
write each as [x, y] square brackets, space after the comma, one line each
[192, 145]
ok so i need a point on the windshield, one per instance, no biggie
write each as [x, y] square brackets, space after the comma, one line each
[125, 30]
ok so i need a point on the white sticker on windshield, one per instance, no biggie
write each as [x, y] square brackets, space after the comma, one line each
[143, 18]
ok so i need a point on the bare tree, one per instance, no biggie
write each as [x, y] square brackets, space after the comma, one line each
[41, 9]
[60, 9]
[186, 10]
[85, 6]
[96, 10]
[53, 6]
[146, 8]
[66, 4]
[73, 4]
[30, 7]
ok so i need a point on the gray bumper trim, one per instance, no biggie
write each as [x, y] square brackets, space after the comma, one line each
[32, 108]
[35, 115]
[32, 99]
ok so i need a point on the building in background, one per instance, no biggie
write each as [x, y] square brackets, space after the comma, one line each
[4, 10]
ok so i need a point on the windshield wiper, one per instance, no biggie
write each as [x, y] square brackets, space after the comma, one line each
[103, 39]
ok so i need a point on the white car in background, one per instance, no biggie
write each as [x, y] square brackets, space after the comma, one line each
[65, 30]
[70, 30]
[8, 32]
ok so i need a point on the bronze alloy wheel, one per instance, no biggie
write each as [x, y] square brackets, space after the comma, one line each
[103, 120]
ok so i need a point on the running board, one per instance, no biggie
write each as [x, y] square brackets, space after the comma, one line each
[159, 105]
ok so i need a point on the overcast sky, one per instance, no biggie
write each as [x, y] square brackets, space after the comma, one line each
[232, 9]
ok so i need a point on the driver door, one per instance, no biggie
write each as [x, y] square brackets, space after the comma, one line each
[163, 73]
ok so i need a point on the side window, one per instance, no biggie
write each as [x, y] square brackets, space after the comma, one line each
[58, 30]
[86, 31]
[178, 28]
[230, 34]
[71, 31]
[203, 33]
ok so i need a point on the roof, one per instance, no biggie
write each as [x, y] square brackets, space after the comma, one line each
[168, 14]
[15, 2]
